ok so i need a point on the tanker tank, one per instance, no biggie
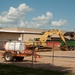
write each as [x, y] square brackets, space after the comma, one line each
[15, 46]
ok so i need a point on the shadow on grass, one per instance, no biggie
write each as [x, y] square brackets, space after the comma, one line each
[48, 66]
[27, 68]
[8, 69]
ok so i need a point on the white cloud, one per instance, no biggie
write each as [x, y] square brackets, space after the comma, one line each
[24, 7]
[37, 22]
[48, 16]
[43, 19]
[14, 15]
[59, 23]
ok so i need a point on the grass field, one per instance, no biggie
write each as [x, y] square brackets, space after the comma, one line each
[6, 69]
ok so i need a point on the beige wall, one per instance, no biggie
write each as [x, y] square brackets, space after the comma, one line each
[26, 37]
[14, 36]
[6, 36]
[25, 29]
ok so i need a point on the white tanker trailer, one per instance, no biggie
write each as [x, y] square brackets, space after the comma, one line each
[15, 46]
[15, 50]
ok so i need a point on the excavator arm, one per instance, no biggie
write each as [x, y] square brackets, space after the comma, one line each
[42, 40]
[51, 33]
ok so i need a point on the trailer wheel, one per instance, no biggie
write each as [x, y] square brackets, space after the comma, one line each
[19, 58]
[8, 57]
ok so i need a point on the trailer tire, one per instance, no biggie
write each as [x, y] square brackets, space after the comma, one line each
[8, 57]
[19, 58]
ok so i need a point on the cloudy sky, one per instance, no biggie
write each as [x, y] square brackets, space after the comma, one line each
[44, 14]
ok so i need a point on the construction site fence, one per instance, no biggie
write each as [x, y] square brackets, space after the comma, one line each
[52, 58]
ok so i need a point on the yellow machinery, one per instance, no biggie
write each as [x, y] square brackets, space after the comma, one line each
[51, 33]
[42, 41]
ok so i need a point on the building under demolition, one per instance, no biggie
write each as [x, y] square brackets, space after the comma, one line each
[22, 34]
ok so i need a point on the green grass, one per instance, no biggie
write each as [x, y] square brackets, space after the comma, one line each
[15, 70]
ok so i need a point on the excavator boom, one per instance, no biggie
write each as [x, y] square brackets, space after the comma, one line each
[51, 33]
[42, 40]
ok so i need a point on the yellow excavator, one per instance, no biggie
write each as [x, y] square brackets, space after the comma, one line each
[51, 33]
[42, 40]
